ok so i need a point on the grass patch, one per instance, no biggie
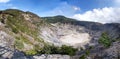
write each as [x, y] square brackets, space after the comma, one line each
[18, 44]
[31, 52]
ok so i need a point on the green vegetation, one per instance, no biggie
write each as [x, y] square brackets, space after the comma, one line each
[16, 21]
[87, 52]
[58, 18]
[114, 40]
[65, 50]
[68, 50]
[31, 52]
[118, 39]
[18, 44]
[90, 47]
[23, 29]
[82, 57]
[105, 40]
[20, 25]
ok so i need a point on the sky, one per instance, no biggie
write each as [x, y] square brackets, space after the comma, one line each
[103, 11]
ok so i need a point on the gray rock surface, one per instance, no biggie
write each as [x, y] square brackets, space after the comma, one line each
[57, 56]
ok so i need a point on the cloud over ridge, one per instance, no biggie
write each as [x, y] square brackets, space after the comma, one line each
[104, 15]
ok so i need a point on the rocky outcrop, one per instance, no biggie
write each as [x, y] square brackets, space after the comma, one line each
[52, 57]
[6, 42]
[113, 52]
[19, 55]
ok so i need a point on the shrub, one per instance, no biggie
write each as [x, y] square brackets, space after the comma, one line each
[31, 52]
[46, 50]
[18, 44]
[65, 50]
[15, 30]
[87, 52]
[68, 50]
[105, 40]
[82, 57]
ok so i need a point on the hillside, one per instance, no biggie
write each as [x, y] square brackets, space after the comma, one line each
[22, 29]
[25, 35]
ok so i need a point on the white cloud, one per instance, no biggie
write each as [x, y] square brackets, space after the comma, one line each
[4, 1]
[104, 15]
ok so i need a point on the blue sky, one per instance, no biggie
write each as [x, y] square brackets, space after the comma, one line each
[68, 8]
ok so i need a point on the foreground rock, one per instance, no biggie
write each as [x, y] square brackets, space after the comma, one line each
[44, 56]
